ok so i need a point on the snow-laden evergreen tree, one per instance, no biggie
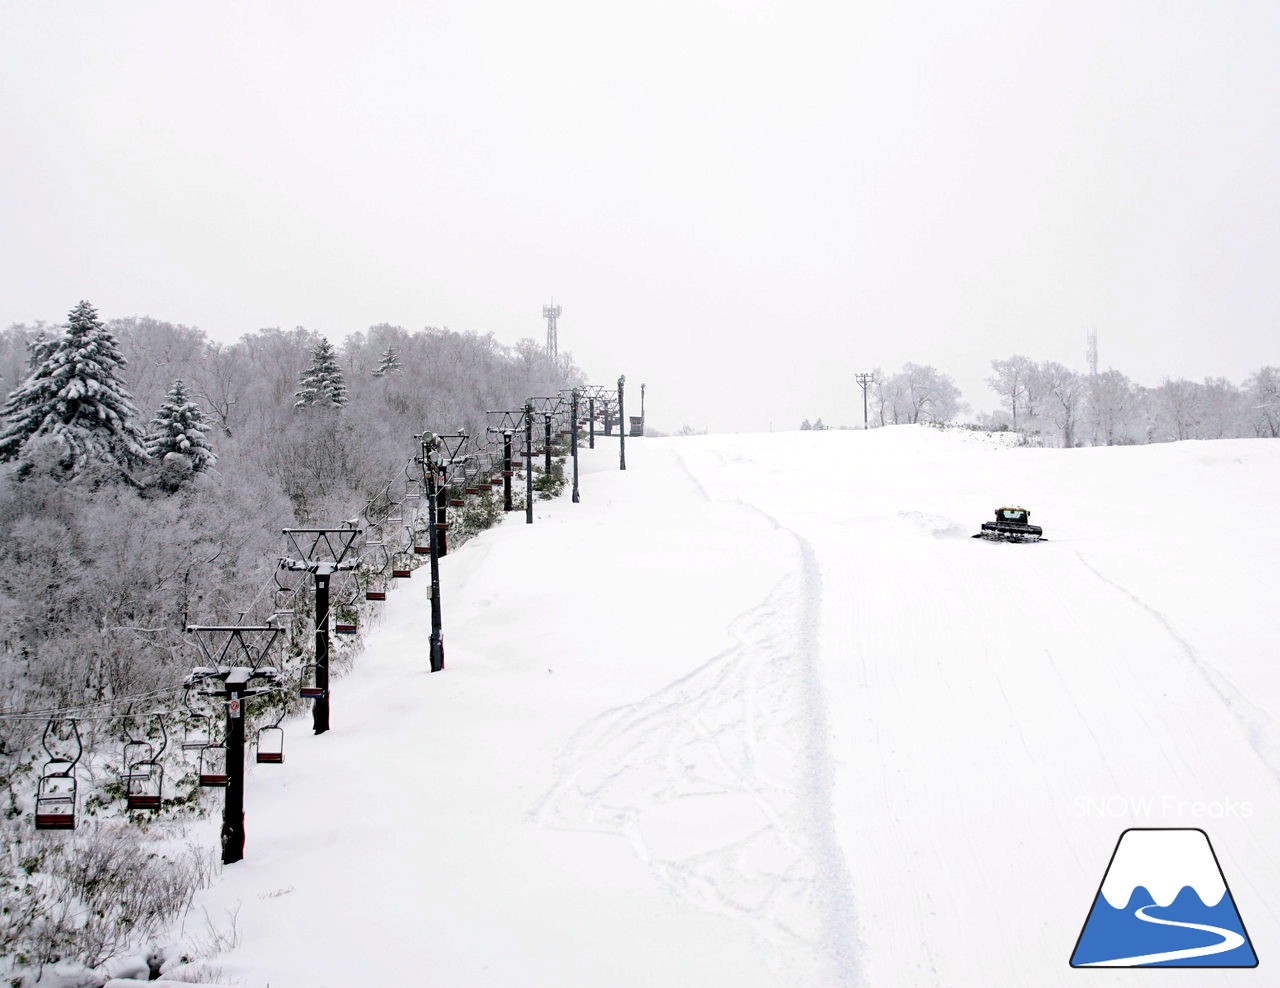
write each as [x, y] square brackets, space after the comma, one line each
[74, 395]
[388, 364]
[179, 428]
[321, 383]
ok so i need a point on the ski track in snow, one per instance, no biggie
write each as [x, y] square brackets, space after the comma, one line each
[742, 745]
[702, 778]
[1256, 724]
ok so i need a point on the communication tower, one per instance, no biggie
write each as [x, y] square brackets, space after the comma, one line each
[551, 313]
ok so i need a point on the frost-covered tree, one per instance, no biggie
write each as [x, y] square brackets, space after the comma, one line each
[75, 396]
[1262, 397]
[1011, 381]
[388, 363]
[322, 383]
[180, 430]
[1065, 394]
[1112, 411]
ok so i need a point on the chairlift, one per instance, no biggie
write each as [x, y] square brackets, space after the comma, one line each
[271, 742]
[56, 801]
[308, 689]
[344, 627]
[56, 788]
[197, 727]
[213, 765]
[144, 778]
[401, 568]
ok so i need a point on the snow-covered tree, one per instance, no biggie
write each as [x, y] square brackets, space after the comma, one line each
[180, 430]
[1262, 392]
[1112, 409]
[322, 383]
[74, 395]
[389, 363]
[1011, 382]
[1065, 393]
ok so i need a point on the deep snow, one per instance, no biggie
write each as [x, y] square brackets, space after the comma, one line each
[759, 712]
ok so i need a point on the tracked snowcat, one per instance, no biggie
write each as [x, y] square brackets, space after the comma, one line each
[1011, 525]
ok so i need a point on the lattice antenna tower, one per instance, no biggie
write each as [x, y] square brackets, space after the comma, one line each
[551, 313]
[1091, 354]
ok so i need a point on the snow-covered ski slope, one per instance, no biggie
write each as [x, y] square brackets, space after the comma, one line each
[759, 712]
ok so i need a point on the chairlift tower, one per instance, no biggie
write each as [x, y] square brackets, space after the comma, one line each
[551, 313]
[321, 552]
[235, 669]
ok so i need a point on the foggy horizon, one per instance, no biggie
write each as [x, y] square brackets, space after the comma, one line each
[741, 205]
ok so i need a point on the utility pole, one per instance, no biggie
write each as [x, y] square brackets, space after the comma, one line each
[622, 426]
[234, 683]
[551, 313]
[591, 420]
[321, 552]
[864, 381]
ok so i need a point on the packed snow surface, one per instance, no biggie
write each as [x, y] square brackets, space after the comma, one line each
[759, 712]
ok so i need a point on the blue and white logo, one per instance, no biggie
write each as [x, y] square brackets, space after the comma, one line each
[1164, 902]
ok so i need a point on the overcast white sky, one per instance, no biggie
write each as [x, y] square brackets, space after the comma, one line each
[740, 202]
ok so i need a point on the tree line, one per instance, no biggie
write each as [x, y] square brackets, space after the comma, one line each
[146, 472]
[1052, 404]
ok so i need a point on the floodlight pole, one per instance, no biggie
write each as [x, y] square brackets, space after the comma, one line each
[591, 421]
[546, 428]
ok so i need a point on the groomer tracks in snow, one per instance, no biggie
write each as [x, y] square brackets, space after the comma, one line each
[723, 724]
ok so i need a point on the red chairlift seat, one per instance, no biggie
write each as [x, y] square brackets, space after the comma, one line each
[309, 690]
[457, 502]
[143, 790]
[343, 628]
[473, 490]
[375, 595]
[213, 766]
[400, 574]
[270, 745]
[56, 802]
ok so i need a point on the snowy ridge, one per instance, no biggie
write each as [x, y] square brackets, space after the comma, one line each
[1164, 862]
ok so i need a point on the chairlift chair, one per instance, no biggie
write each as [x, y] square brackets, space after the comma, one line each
[308, 689]
[213, 766]
[401, 567]
[56, 798]
[197, 727]
[271, 741]
[144, 776]
[56, 788]
[270, 745]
